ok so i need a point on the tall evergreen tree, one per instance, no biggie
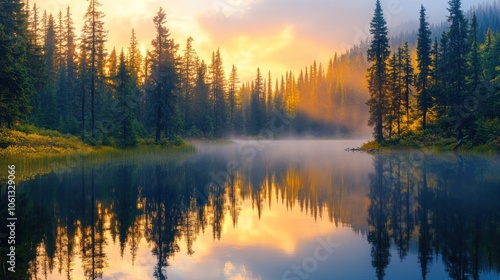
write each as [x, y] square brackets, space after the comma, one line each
[269, 97]
[257, 106]
[93, 40]
[188, 73]
[163, 82]
[36, 65]
[112, 65]
[124, 107]
[218, 94]
[82, 85]
[135, 62]
[62, 81]
[394, 95]
[378, 54]
[135, 58]
[424, 98]
[457, 64]
[473, 58]
[71, 69]
[232, 97]
[15, 86]
[407, 78]
[441, 75]
[202, 109]
[49, 116]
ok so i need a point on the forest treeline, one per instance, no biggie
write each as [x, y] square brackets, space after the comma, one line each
[55, 79]
[451, 88]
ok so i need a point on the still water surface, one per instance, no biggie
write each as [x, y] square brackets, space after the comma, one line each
[265, 210]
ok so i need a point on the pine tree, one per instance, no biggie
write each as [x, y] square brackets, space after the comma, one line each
[123, 113]
[457, 65]
[424, 97]
[394, 95]
[82, 84]
[93, 40]
[188, 73]
[135, 58]
[473, 58]
[218, 94]
[257, 113]
[163, 82]
[407, 78]
[232, 97]
[202, 109]
[135, 62]
[441, 76]
[49, 116]
[15, 86]
[112, 66]
[378, 54]
[269, 97]
[62, 105]
[36, 63]
[60, 40]
[71, 69]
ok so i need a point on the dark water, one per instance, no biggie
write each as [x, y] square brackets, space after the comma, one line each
[263, 210]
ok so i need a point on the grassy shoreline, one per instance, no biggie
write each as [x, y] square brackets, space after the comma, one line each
[432, 143]
[15, 144]
[49, 151]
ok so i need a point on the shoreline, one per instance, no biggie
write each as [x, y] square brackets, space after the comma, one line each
[485, 149]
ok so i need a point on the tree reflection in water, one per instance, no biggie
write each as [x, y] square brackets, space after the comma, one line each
[446, 206]
[454, 202]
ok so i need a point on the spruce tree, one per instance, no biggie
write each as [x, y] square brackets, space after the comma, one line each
[424, 98]
[15, 86]
[135, 58]
[188, 77]
[93, 40]
[135, 63]
[457, 64]
[36, 64]
[202, 109]
[407, 79]
[163, 81]
[257, 113]
[71, 71]
[378, 53]
[473, 58]
[218, 94]
[123, 110]
[49, 116]
[232, 97]
[394, 96]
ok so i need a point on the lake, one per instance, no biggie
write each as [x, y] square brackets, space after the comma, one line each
[263, 210]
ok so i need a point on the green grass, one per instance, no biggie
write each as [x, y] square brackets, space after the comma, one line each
[17, 144]
[429, 142]
[36, 152]
[29, 142]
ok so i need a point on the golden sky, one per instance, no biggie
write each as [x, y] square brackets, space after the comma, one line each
[275, 35]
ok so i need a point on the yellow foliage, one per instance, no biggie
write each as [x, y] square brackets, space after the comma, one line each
[372, 145]
[20, 144]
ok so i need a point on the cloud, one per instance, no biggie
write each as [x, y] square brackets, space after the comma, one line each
[318, 28]
[232, 272]
[276, 35]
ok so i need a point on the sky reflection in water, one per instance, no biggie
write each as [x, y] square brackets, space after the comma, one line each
[271, 216]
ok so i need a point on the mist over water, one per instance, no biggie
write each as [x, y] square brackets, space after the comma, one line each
[248, 209]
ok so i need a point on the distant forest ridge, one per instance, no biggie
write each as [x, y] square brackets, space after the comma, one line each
[488, 16]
